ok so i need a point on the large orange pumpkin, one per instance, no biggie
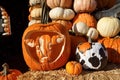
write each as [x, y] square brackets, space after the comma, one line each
[9, 74]
[75, 40]
[113, 47]
[46, 46]
[86, 18]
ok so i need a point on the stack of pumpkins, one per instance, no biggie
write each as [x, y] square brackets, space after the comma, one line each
[35, 11]
[109, 29]
[49, 46]
[61, 12]
[5, 27]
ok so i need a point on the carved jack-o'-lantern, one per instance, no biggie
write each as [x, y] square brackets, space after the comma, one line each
[46, 46]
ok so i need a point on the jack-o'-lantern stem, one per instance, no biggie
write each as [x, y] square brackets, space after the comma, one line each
[45, 12]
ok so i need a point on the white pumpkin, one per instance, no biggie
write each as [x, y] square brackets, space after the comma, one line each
[36, 13]
[80, 28]
[93, 33]
[33, 22]
[84, 5]
[108, 26]
[34, 2]
[61, 13]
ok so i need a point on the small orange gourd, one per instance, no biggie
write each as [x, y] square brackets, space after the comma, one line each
[74, 68]
[9, 74]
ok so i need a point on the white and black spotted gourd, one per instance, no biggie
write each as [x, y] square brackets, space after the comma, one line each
[92, 55]
[4, 22]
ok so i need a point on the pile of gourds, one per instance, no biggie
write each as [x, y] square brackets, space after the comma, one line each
[49, 46]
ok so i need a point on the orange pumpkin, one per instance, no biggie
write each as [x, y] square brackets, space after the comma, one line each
[9, 74]
[59, 3]
[73, 67]
[86, 18]
[46, 46]
[75, 40]
[105, 4]
[112, 45]
[66, 23]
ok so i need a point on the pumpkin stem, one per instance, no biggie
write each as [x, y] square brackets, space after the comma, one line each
[117, 37]
[71, 32]
[5, 69]
[45, 12]
[89, 39]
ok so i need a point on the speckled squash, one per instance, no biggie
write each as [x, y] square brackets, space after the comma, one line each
[92, 55]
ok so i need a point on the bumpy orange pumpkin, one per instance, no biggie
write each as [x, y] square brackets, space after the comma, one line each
[46, 46]
[73, 67]
[59, 3]
[112, 45]
[86, 18]
[66, 23]
[9, 74]
[105, 4]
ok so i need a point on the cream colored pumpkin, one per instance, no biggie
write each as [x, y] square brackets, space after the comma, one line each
[59, 3]
[61, 13]
[33, 22]
[34, 2]
[80, 28]
[93, 33]
[84, 5]
[108, 26]
[36, 13]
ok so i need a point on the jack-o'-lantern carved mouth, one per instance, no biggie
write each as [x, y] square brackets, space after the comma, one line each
[46, 47]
